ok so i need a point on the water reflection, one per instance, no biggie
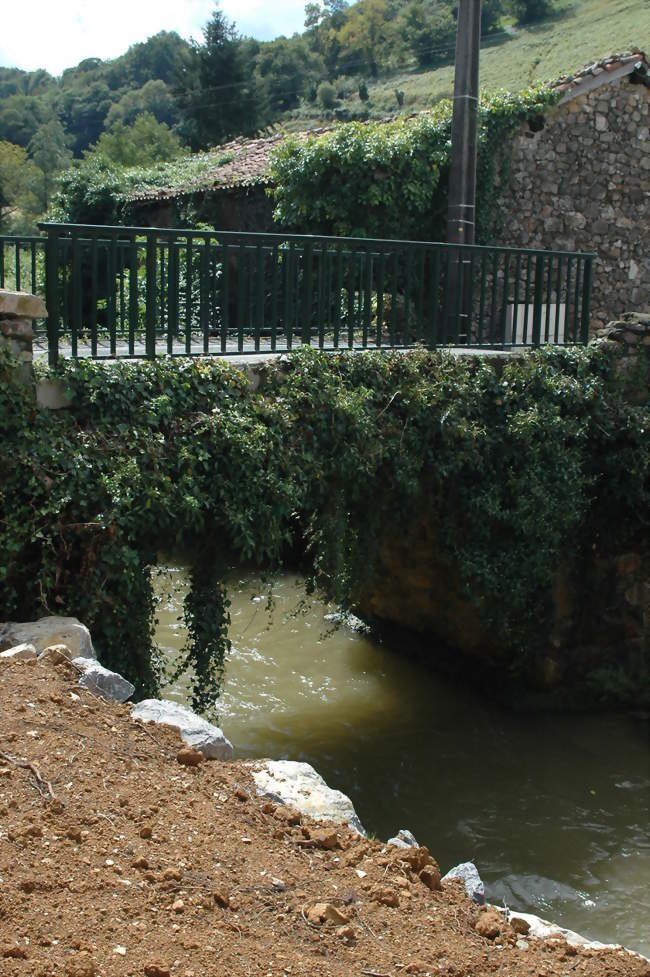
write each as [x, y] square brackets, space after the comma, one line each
[553, 809]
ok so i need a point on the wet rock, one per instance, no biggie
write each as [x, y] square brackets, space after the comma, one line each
[468, 872]
[102, 681]
[298, 785]
[48, 631]
[403, 839]
[20, 653]
[196, 732]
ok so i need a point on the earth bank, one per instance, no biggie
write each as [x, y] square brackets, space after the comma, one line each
[125, 854]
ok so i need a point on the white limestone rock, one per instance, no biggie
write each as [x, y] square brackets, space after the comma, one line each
[48, 631]
[541, 929]
[194, 730]
[19, 653]
[299, 785]
[403, 839]
[468, 872]
[109, 685]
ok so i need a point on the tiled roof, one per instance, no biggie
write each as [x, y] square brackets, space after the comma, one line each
[246, 164]
[597, 72]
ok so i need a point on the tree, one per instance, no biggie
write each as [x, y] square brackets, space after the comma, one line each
[84, 107]
[286, 68]
[144, 142]
[50, 154]
[327, 95]
[429, 32]
[364, 37]
[154, 97]
[528, 11]
[218, 96]
[20, 117]
[12, 162]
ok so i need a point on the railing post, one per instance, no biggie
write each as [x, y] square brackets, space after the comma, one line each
[52, 295]
[307, 294]
[150, 298]
[537, 300]
[586, 299]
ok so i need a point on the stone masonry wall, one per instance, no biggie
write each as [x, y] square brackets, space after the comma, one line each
[583, 183]
[17, 309]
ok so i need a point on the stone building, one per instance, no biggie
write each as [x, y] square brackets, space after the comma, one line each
[581, 182]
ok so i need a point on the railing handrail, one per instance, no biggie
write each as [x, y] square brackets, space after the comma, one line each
[115, 230]
[27, 238]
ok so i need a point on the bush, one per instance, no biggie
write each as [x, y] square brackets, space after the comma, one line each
[326, 95]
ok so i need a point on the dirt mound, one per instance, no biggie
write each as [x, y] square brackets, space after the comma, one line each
[119, 855]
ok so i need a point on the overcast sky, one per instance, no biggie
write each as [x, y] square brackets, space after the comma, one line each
[58, 34]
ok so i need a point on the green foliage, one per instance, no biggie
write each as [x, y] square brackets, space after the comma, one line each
[429, 31]
[144, 142]
[326, 95]
[386, 179]
[530, 11]
[523, 471]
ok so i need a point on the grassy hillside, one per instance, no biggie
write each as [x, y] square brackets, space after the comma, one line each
[582, 31]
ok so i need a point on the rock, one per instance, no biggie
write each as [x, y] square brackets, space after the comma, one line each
[324, 912]
[20, 653]
[489, 924]
[13, 952]
[348, 933]
[189, 756]
[56, 654]
[221, 898]
[519, 925]
[385, 895]
[403, 839]
[430, 876]
[468, 872]
[541, 929]
[156, 970]
[109, 685]
[178, 906]
[194, 730]
[81, 965]
[297, 785]
[49, 631]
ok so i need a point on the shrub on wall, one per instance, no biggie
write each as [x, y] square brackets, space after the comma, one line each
[389, 179]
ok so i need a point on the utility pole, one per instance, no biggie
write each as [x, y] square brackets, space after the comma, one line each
[461, 207]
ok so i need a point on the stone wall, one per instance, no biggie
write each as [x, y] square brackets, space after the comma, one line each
[583, 183]
[17, 309]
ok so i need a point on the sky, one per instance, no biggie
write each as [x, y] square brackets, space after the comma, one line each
[58, 34]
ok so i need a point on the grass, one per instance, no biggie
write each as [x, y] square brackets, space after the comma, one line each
[579, 32]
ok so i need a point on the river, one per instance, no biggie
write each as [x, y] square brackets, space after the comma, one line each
[554, 810]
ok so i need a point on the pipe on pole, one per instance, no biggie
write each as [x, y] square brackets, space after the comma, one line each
[461, 206]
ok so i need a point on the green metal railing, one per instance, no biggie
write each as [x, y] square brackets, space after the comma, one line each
[143, 292]
[22, 266]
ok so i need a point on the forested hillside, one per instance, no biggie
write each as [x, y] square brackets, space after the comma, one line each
[167, 97]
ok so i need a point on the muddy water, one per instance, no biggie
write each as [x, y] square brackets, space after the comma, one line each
[555, 811]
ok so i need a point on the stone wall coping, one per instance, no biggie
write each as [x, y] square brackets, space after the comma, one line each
[22, 305]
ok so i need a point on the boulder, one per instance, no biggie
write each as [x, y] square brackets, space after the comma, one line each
[468, 872]
[297, 785]
[194, 730]
[49, 631]
[403, 839]
[19, 653]
[109, 685]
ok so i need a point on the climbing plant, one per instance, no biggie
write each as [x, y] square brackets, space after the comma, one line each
[389, 179]
[521, 469]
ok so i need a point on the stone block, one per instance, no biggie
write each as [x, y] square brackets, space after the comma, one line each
[50, 395]
[20, 653]
[102, 681]
[22, 305]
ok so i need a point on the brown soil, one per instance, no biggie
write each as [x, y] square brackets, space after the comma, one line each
[118, 859]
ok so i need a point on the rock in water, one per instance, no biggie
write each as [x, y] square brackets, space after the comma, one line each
[109, 685]
[468, 872]
[49, 631]
[299, 786]
[194, 730]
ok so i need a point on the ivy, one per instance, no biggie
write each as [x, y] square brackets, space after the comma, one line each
[522, 469]
[389, 179]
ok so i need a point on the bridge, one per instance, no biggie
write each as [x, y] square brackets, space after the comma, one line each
[132, 292]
